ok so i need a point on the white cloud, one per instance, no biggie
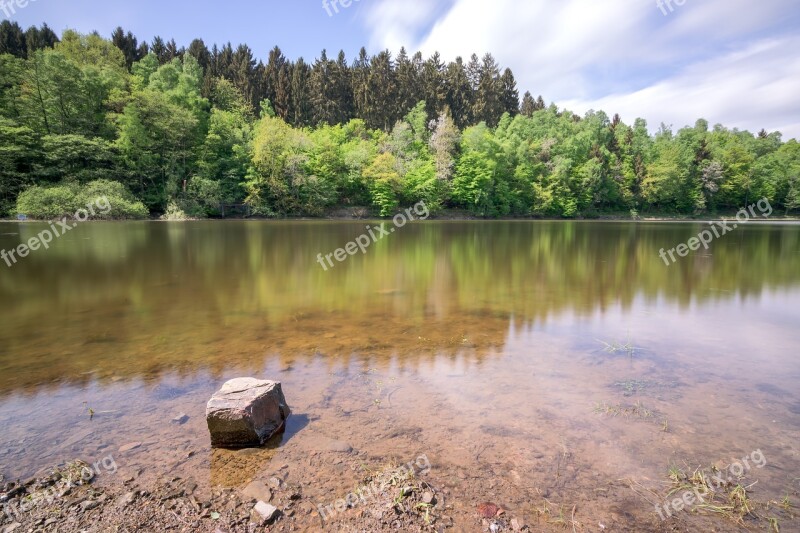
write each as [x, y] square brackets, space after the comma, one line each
[750, 89]
[708, 58]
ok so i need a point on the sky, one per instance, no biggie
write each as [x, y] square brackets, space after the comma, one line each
[734, 62]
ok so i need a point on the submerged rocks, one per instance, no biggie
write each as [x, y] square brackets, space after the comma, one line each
[246, 412]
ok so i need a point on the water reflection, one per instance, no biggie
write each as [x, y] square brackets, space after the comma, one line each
[116, 301]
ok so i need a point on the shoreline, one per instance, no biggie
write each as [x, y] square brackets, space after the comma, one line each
[456, 216]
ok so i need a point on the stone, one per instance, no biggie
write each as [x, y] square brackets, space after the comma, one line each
[257, 491]
[89, 505]
[181, 419]
[263, 513]
[129, 447]
[126, 499]
[246, 412]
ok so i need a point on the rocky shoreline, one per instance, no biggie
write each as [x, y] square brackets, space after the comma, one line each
[61, 501]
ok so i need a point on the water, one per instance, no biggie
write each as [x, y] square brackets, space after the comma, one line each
[502, 350]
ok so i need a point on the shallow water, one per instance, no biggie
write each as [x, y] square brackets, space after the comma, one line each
[497, 348]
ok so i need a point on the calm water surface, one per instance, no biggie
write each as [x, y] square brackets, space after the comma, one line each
[480, 343]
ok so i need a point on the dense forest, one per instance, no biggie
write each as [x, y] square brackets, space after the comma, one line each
[171, 131]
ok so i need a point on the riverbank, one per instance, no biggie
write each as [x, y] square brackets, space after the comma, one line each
[462, 215]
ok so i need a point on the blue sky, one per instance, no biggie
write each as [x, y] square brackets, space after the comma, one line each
[734, 62]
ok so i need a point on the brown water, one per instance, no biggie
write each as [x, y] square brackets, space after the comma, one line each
[481, 344]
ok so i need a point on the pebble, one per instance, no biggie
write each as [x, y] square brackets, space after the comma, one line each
[180, 419]
[257, 491]
[263, 512]
[89, 505]
[130, 446]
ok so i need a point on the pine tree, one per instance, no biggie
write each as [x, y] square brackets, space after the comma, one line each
[509, 99]
[279, 83]
[381, 92]
[488, 106]
[301, 97]
[39, 39]
[528, 105]
[128, 44]
[474, 72]
[173, 51]
[322, 88]
[433, 85]
[459, 93]
[160, 50]
[242, 72]
[198, 50]
[12, 39]
[360, 79]
[408, 93]
[342, 89]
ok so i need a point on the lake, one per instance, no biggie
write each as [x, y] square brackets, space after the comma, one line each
[530, 361]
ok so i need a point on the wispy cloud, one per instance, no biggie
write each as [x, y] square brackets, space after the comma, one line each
[730, 61]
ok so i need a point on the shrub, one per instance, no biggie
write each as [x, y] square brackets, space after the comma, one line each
[111, 198]
[174, 213]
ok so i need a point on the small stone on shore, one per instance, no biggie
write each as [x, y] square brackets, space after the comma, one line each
[130, 446]
[257, 491]
[181, 419]
[263, 513]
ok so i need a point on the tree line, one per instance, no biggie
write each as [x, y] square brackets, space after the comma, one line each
[184, 130]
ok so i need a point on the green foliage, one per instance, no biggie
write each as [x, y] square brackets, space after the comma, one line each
[174, 213]
[384, 183]
[110, 200]
[19, 153]
[185, 131]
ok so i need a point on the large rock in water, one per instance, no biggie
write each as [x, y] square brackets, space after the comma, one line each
[246, 412]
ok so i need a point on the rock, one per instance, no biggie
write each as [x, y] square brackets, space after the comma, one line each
[181, 419]
[246, 412]
[488, 510]
[263, 513]
[257, 491]
[12, 527]
[427, 497]
[275, 483]
[517, 525]
[89, 505]
[126, 499]
[130, 446]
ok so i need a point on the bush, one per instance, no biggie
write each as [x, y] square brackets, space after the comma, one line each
[111, 200]
[174, 213]
[49, 202]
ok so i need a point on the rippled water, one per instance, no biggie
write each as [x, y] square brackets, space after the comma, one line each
[501, 344]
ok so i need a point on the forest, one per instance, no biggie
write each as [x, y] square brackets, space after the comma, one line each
[178, 132]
